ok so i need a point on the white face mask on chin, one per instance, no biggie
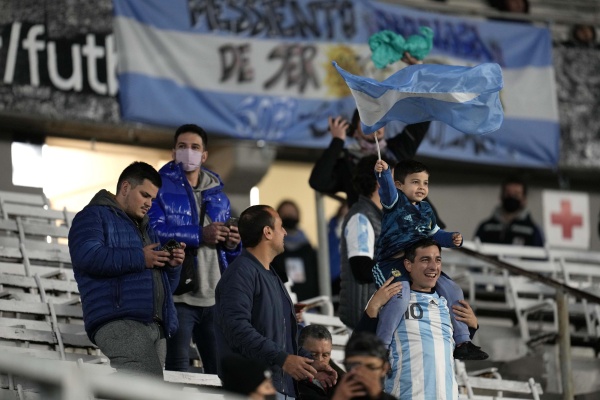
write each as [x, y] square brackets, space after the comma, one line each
[190, 159]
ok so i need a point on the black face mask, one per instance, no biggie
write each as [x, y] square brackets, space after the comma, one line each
[510, 204]
[270, 397]
[289, 223]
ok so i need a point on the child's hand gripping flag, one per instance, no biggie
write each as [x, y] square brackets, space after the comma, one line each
[465, 98]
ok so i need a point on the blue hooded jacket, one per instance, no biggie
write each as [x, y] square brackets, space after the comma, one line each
[174, 215]
[106, 250]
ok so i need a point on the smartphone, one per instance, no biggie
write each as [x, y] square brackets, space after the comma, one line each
[171, 245]
[232, 221]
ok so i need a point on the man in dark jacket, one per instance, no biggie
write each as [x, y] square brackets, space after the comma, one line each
[254, 314]
[511, 222]
[360, 231]
[192, 207]
[317, 340]
[124, 281]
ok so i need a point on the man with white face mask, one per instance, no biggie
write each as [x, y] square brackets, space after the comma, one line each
[191, 207]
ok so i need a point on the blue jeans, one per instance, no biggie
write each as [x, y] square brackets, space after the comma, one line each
[194, 323]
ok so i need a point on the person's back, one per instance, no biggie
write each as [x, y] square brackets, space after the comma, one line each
[355, 294]
[360, 231]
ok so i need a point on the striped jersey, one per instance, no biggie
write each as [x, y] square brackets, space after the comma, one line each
[422, 365]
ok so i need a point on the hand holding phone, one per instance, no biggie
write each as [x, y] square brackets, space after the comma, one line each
[232, 221]
[171, 245]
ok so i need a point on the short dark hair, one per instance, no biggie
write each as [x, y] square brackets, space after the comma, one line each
[513, 180]
[288, 202]
[318, 332]
[252, 221]
[363, 178]
[193, 128]
[407, 167]
[411, 251]
[137, 172]
[502, 5]
[242, 375]
[365, 344]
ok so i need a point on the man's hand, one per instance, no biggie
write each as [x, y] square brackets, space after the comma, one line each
[410, 60]
[349, 388]
[155, 258]
[381, 165]
[177, 256]
[382, 296]
[233, 237]
[465, 314]
[214, 233]
[457, 239]
[299, 368]
[338, 127]
[370, 382]
[325, 374]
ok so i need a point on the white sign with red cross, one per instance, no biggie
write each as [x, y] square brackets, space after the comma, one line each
[566, 219]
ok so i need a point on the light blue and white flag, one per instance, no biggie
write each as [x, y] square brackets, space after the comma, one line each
[463, 97]
[262, 71]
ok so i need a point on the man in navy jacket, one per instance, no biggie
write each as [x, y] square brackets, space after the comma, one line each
[254, 314]
[124, 281]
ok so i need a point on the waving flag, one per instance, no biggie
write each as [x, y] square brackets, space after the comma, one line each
[465, 98]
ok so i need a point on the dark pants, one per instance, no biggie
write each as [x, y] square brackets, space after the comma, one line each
[194, 323]
[133, 346]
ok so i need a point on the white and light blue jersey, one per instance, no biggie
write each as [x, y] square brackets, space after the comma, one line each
[422, 365]
[360, 236]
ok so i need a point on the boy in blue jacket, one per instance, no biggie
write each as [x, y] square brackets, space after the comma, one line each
[406, 220]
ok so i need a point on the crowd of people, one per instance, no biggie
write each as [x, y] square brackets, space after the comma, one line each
[162, 264]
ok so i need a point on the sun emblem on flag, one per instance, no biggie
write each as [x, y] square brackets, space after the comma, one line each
[346, 57]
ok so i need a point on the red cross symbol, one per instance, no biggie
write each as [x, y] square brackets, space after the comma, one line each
[566, 220]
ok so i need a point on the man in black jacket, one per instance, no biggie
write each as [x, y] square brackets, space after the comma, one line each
[332, 173]
[511, 222]
[254, 314]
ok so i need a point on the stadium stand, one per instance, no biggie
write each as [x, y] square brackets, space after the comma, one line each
[41, 317]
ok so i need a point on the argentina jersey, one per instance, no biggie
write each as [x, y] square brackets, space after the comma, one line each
[422, 366]
[360, 236]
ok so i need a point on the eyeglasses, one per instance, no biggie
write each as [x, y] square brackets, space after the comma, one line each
[371, 367]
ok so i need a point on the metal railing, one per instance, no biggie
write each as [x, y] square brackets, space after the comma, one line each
[58, 380]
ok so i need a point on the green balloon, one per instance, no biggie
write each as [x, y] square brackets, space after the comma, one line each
[387, 47]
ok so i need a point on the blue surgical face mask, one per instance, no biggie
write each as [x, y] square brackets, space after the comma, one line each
[191, 160]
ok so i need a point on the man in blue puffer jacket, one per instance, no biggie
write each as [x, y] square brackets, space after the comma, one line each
[124, 282]
[192, 208]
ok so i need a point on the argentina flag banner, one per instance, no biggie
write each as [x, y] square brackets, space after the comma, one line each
[262, 70]
[466, 98]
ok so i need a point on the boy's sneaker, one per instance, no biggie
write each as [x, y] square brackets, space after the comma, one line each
[468, 351]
